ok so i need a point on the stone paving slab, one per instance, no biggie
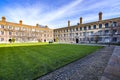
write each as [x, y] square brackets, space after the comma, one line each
[112, 71]
[87, 68]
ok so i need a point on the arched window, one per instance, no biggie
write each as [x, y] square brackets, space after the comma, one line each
[94, 27]
[85, 28]
[114, 24]
[100, 25]
[106, 25]
[89, 27]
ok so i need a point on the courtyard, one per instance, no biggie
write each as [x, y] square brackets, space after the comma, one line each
[27, 61]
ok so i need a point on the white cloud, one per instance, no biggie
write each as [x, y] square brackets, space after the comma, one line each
[32, 14]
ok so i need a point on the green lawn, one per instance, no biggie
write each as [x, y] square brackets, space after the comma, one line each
[28, 61]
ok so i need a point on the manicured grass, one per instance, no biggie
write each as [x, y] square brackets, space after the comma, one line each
[30, 60]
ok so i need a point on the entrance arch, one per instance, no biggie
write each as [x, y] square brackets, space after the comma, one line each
[77, 40]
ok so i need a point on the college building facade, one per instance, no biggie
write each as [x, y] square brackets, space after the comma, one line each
[24, 33]
[102, 31]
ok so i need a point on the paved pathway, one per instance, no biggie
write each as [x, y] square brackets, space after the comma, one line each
[112, 71]
[88, 68]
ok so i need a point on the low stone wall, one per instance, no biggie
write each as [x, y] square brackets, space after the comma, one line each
[112, 71]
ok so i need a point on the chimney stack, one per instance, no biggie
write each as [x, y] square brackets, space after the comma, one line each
[100, 16]
[20, 22]
[3, 19]
[80, 20]
[68, 23]
[46, 26]
[37, 25]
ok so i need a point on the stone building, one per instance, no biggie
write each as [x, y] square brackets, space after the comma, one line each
[102, 31]
[24, 33]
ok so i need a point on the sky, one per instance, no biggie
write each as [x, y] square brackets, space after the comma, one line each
[56, 13]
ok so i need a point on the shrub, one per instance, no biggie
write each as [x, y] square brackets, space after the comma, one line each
[13, 40]
[39, 40]
[51, 41]
[10, 40]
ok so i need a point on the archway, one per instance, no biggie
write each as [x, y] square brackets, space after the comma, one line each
[77, 40]
[44, 40]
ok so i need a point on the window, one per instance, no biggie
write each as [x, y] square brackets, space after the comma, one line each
[94, 27]
[2, 39]
[64, 35]
[80, 28]
[87, 33]
[91, 33]
[10, 33]
[100, 38]
[100, 25]
[70, 34]
[33, 29]
[16, 33]
[89, 27]
[76, 29]
[114, 31]
[2, 26]
[23, 34]
[99, 32]
[24, 29]
[114, 24]
[67, 30]
[16, 28]
[80, 34]
[106, 25]
[9, 27]
[85, 28]
[92, 39]
[76, 34]
[44, 35]
[114, 39]
[73, 29]
[106, 31]
[2, 32]
[84, 33]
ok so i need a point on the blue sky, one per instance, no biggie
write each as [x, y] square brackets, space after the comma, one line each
[56, 13]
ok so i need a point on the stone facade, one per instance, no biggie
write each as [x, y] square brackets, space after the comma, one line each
[24, 33]
[102, 31]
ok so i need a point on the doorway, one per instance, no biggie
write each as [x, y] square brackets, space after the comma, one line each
[77, 40]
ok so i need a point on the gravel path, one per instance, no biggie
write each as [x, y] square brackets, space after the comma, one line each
[88, 68]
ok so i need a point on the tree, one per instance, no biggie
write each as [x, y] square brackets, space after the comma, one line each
[96, 38]
[39, 40]
[10, 40]
[13, 40]
[57, 39]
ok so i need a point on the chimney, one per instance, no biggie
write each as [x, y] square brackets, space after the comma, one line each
[20, 22]
[68, 23]
[46, 26]
[3, 19]
[80, 20]
[100, 16]
[37, 25]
